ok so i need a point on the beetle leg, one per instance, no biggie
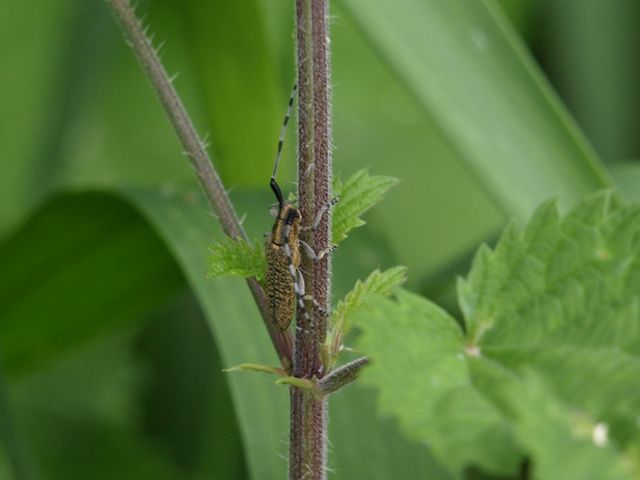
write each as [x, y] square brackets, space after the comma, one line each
[320, 213]
[313, 255]
[309, 298]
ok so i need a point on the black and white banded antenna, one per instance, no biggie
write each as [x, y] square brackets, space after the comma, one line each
[274, 185]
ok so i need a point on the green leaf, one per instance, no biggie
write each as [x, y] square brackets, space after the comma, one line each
[70, 239]
[255, 367]
[558, 298]
[381, 127]
[358, 194]
[236, 257]
[389, 453]
[556, 280]
[183, 374]
[239, 86]
[85, 266]
[564, 443]
[627, 177]
[183, 221]
[420, 368]
[523, 148]
[601, 382]
[35, 86]
[585, 43]
[470, 430]
[15, 458]
[86, 407]
[302, 383]
[377, 282]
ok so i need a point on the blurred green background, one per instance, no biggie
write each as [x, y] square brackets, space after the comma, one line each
[111, 339]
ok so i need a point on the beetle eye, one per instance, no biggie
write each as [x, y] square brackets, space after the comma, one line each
[274, 209]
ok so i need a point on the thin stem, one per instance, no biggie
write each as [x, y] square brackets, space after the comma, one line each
[308, 447]
[197, 154]
[298, 448]
[304, 334]
[322, 171]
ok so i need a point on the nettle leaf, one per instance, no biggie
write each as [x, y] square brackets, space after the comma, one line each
[377, 282]
[569, 281]
[235, 257]
[548, 365]
[564, 442]
[357, 195]
[420, 366]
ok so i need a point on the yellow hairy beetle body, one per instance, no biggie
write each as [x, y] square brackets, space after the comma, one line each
[283, 259]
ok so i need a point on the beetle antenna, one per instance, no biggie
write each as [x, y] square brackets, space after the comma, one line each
[283, 131]
[276, 189]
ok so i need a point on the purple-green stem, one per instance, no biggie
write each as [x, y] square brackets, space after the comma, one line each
[308, 438]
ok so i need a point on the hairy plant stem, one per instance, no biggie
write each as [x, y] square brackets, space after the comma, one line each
[308, 439]
[197, 154]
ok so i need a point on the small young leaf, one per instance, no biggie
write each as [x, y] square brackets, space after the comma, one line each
[357, 195]
[256, 367]
[377, 282]
[233, 257]
[303, 383]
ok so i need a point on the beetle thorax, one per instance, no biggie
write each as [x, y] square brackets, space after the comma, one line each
[286, 225]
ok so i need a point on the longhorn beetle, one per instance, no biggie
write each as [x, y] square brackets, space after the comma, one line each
[283, 280]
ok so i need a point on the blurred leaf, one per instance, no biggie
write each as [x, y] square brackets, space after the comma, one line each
[379, 126]
[558, 298]
[589, 48]
[183, 221]
[188, 409]
[356, 195]
[81, 419]
[74, 243]
[564, 443]
[236, 257]
[358, 431]
[15, 458]
[118, 116]
[459, 57]
[627, 177]
[47, 303]
[234, 64]
[522, 14]
[228, 87]
[27, 100]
